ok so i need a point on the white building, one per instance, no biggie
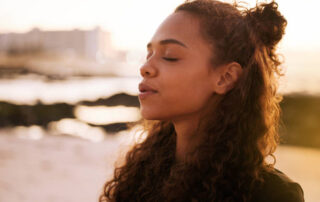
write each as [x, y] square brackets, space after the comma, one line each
[91, 43]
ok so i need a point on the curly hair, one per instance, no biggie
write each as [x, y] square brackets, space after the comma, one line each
[239, 130]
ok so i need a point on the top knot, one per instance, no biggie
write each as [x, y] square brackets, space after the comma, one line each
[267, 23]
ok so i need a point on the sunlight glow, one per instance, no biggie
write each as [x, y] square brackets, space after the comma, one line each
[69, 91]
[100, 115]
[33, 132]
[77, 128]
[132, 23]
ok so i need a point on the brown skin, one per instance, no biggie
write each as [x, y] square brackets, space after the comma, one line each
[184, 85]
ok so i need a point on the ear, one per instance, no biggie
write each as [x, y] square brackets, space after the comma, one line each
[227, 76]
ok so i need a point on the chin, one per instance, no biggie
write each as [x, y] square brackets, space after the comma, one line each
[151, 115]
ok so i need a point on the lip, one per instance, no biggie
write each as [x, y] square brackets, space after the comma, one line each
[146, 90]
[143, 87]
[145, 94]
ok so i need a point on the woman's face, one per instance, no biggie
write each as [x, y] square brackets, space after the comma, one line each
[178, 68]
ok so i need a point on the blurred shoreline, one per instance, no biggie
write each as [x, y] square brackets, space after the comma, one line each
[33, 100]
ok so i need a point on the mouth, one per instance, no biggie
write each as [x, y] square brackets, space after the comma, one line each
[146, 93]
[144, 88]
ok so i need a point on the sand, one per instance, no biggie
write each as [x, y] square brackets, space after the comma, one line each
[69, 169]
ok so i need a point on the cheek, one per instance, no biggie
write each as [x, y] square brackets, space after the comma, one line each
[175, 100]
[191, 91]
[189, 98]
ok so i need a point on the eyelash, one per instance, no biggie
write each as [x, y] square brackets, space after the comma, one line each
[167, 59]
[170, 59]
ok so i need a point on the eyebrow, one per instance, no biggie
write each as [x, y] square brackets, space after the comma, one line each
[169, 41]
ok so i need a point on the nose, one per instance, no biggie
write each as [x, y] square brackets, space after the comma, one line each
[148, 69]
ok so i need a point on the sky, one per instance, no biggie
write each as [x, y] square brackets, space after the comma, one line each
[133, 22]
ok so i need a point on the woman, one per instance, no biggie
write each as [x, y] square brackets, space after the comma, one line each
[210, 109]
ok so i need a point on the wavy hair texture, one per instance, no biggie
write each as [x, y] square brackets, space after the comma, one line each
[239, 129]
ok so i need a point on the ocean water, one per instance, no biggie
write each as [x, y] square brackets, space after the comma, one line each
[32, 88]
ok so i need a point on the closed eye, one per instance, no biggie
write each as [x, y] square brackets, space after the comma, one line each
[171, 59]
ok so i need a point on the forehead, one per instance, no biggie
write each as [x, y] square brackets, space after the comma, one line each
[180, 26]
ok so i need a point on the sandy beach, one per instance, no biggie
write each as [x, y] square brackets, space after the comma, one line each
[69, 169]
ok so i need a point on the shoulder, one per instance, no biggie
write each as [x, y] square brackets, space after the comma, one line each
[278, 186]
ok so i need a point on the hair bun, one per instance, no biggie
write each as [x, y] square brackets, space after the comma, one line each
[267, 23]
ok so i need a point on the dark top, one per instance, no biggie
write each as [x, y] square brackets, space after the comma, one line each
[278, 187]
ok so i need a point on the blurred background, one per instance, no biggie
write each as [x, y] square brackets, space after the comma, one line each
[69, 74]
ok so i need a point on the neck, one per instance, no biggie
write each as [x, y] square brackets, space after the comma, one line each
[186, 130]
